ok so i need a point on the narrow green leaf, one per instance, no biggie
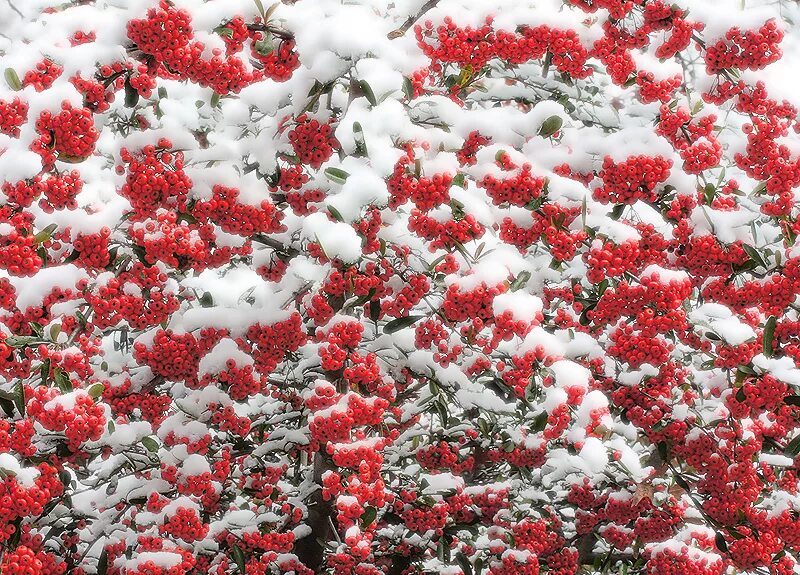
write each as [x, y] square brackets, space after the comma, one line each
[12, 79]
[408, 88]
[400, 323]
[754, 255]
[102, 563]
[131, 95]
[792, 449]
[336, 175]
[335, 213]
[19, 397]
[45, 234]
[238, 557]
[768, 340]
[260, 8]
[464, 563]
[722, 545]
[20, 340]
[520, 281]
[368, 93]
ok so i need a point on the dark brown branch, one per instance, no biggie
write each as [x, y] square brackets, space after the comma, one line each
[411, 19]
[274, 30]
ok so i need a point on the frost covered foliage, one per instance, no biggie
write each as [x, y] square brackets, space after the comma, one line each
[368, 288]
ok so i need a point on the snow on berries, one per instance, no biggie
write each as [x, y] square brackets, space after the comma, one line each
[381, 289]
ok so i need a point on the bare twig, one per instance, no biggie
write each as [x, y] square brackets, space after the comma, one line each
[15, 9]
[411, 19]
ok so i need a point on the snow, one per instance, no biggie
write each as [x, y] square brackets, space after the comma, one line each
[523, 306]
[337, 239]
[214, 362]
[24, 476]
[164, 559]
[247, 133]
[722, 321]
[31, 291]
[570, 374]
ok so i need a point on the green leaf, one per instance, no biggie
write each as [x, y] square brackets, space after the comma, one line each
[708, 193]
[368, 93]
[369, 515]
[19, 397]
[408, 88]
[792, 400]
[238, 557]
[583, 211]
[102, 563]
[682, 482]
[520, 281]
[150, 444]
[12, 79]
[792, 448]
[44, 371]
[550, 126]
[401, 322]
[96, 390]
[539, 422]
[260, 8]
[207, 300]
[131, 95]
[265, 46]
[374, 310]
[759, 189]
[336, 175]
[459, 180]
[20, 340]
[72, 257]
[62, 380]
[722, 545]
[215, 98]
[335, 213]
[754, 255]
[464, 563]
[45, 234]
[768, 340]
[270, 10]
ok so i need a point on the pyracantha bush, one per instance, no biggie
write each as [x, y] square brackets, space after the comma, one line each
[393, 288]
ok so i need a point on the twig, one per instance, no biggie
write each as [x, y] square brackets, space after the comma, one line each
[15, 9]
[411, 19]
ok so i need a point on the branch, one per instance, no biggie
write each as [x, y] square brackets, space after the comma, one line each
[15, 9]
[411, 19]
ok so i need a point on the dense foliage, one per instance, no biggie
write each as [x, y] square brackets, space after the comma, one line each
[370, 288]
